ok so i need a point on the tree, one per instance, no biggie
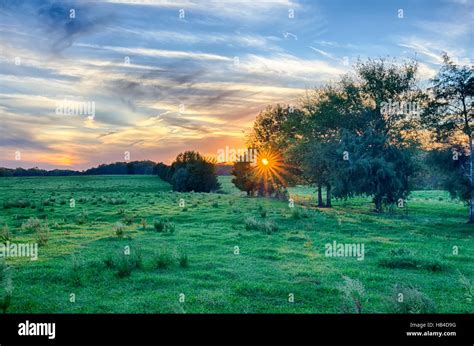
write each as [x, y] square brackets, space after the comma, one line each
[318, 133]
[244, 177]
[192, 172]
[450, 111]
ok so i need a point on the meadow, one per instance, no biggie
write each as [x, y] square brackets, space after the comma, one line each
[128, 244]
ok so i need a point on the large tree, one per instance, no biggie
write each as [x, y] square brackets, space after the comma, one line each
[193, 172]
[449, 112]
[375, 153]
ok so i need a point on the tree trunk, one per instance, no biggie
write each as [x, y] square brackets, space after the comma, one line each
[471, 177]
[328, 196]
[320, 197]
[378, 204]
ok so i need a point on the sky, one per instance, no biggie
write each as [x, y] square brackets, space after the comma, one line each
[90, 82]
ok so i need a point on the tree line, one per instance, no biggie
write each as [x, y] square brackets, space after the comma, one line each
[133, 167]
[374, 132]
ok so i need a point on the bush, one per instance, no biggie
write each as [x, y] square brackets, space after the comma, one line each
[16, 203]
[411, 262]
[265, 226]
[183, 261]
[162, 225]
[353, 295]
[119, 229]
[6, 287]
[32, 225]
[75, 272]
[5, 235]
[192, 172]
[82, 217]
[159, 224]
[128, 219]
[117, 201]
[125, 264]
[163, 260]
[408, 300]
[42, 234]
[467, 287]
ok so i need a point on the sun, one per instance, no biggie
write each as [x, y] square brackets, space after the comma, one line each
[270, 168]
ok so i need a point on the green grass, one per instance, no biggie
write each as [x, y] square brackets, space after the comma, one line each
[84, 256]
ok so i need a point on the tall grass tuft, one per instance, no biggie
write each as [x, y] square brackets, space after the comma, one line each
[6, 287]
[353, 295]
[407, 299]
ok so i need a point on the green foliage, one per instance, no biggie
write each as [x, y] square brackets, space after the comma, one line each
[5, 234]
[244, 177]
[163, 260]
[184, 261]
[163, 225]
[406, 299]
[6, 287]
[119, 229]
[82, 217]
[467, 287]
[353, 295]
[193, 172]
[251, 223]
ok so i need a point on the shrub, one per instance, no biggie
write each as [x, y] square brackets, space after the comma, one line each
[82, 217]
[467, 287]
[411, 262]
[183, 261]
[117, 201]
[170, 227]
[296, 214]
[119, 229]
[162, 225]
[269, 227]
[109, 261]
[159, 224]
[75, 272]
[408, 300]
[32, 225]
[16, 203]
[6, 287]
[191, 172]
[251, 223]
[5, 235]
[42, 234]
[215, 205]
[128, 219]
[353, 295]
[125, 264]
[163, 260]
[266, 226]
[124, 267]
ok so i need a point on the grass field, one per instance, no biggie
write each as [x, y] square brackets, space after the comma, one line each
[226, 253]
